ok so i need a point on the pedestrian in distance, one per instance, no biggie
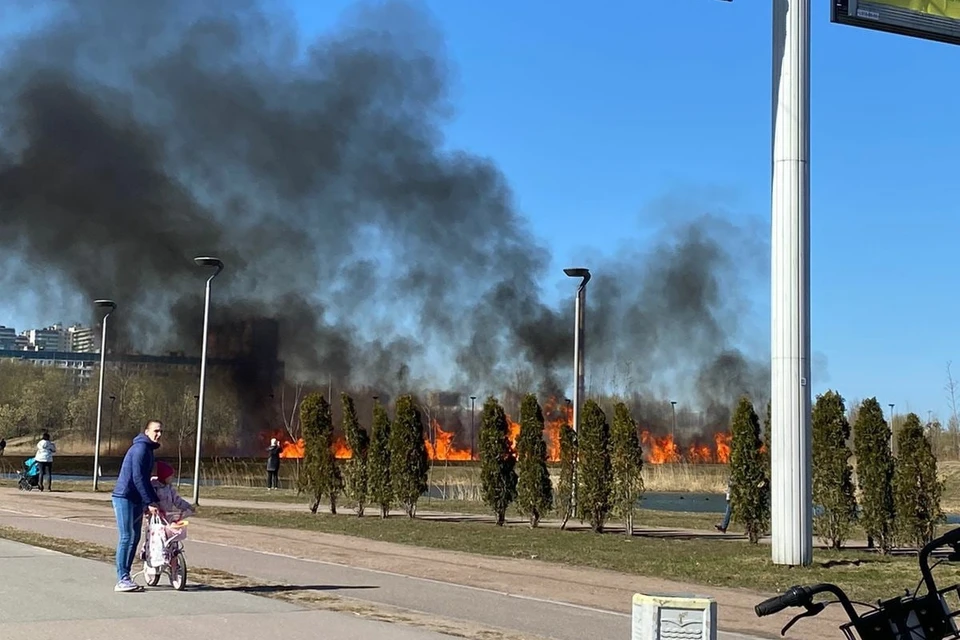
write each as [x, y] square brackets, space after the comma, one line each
[273, 465]
[725, 523]
[132, 495]
[45, 450]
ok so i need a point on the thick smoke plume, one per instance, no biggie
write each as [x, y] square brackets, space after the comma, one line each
[136, 135]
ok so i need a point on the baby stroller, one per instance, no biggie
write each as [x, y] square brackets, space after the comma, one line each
[29, 477]
[163, 552]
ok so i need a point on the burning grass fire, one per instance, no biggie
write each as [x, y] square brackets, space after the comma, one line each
[441, 443]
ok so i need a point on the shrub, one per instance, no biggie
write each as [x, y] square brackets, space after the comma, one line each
[749, 490]
[917, 489]
[321, 474]
[871, 442]
[594, 473]
[379, 490]
[626, 458]
[498, 479]
[359, 442]
[833, 490]
[534, 491]
[566, 482]
[408, 455]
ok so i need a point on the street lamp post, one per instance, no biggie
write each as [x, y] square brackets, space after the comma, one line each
[110, 432]
[473, 428]
[203, 261]
[109, 305]
[892, 416]
[578, 351]
[578, 346]
[673, 405]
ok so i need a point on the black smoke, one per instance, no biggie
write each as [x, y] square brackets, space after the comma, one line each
[136, 135]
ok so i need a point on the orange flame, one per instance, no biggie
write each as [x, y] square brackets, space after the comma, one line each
[444, 448]
[723, 441]
[662, 450]
[659, 450]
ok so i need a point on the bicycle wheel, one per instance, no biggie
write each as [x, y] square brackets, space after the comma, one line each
[178, 572]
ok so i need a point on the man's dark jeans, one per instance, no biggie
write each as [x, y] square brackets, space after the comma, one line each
[129, 525]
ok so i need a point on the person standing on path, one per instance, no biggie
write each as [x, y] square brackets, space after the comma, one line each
[44, 458]
[273, 465]
[131, 495]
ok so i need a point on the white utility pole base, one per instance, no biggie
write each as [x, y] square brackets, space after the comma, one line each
[791, 490]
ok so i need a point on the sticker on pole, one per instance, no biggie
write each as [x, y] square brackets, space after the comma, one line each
[673, 616]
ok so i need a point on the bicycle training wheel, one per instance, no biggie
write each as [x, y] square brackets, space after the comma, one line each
[152, 575]
[178, 572]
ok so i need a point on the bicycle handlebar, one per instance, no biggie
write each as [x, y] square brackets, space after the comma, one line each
[793, 597]
[801, 596]
[951, 538]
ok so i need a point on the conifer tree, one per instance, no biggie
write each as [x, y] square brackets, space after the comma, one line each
[749, 490]
[359, 442]
[379, 488]
[321, 472]
[498, 477]
[594, 473]
[626, 458]
[534, 490]
[565, 482]
[917, 489]
[767, 442]
[871, 442]
[833, 490]
[408, 455]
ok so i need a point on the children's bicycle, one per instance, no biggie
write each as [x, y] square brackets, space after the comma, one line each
[163, 552]
[931, 616]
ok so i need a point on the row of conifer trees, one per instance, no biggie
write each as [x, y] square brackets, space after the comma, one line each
[894, 500]
[389, 466]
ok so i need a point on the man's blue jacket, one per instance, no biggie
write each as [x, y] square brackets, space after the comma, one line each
[133, 483]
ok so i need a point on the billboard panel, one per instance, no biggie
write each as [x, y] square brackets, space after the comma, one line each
[927, 19]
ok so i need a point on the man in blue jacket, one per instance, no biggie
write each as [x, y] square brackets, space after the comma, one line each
[132, 494]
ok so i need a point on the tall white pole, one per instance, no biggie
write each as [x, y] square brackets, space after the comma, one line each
[96, 446]
[203, 375]
[578, 358]
[790, 287]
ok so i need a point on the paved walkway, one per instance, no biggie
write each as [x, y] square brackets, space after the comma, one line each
[45, 595]
[530, 598]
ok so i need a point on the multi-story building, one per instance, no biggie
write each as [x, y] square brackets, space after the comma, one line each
[8, 337]
[52, 338]
[83, 339]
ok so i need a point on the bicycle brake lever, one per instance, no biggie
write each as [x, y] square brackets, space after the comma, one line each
[811, 610]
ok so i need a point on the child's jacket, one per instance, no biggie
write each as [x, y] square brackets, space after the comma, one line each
[170, 500]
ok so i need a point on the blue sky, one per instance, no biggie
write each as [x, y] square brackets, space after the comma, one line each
[602, 112]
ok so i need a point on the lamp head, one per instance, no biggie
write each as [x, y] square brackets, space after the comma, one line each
[110, 305]
[209, 261]
[579, 272]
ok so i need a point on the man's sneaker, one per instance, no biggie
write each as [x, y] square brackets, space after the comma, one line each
[720, 528]
[126, 584]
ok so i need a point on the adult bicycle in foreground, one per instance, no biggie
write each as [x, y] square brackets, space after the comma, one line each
[931, 616]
